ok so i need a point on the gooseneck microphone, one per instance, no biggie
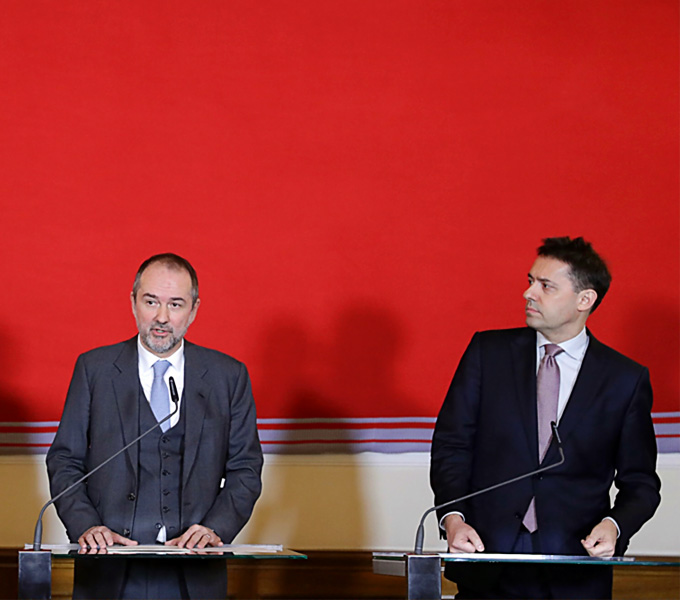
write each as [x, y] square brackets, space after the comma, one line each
[37, 536]
[420, 534]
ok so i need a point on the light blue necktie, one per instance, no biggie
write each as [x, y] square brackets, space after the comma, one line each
[160, 397]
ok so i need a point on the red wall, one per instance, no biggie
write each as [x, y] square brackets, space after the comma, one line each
[360, 184]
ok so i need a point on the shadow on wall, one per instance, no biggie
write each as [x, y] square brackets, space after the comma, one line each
[360, 366]
[28, 480]
[17, 411]
[663, 326]
[346, 371]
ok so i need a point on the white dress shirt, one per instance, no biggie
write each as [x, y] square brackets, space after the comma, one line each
[568, 361]
[175, 370]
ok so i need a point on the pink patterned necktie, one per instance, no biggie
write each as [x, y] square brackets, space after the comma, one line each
[547, 394]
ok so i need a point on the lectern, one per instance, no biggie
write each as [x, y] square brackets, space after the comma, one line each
[35, 568]
[423, 572]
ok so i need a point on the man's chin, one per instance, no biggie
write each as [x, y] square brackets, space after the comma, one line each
[532, 320]
[160, 347]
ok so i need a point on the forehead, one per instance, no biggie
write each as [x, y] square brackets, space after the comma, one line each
[159, 280]
[552, 269]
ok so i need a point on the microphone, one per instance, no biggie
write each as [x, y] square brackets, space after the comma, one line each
[175, 396]
[420, 534]
[37, 535]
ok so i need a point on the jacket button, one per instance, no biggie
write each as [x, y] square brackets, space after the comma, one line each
[158, 525]
[126, 532]
[131, 496]
[165, 472]
[165, 492]
[166, 509]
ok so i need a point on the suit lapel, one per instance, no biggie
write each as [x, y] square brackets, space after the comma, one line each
[524, 368]
[590, 377]
[194, 402]
[125, 382]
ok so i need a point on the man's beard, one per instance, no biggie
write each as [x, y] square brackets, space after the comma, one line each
[162, 346]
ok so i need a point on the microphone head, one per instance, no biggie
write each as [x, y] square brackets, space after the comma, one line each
[556, 433]
[173, 391]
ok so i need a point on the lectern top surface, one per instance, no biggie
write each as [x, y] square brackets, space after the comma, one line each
[159, 551]
[552, 558]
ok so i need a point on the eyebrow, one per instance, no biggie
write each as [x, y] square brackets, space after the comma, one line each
[176, 299]
[541, 279]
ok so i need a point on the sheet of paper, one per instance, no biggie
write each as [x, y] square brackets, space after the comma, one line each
[160, 549]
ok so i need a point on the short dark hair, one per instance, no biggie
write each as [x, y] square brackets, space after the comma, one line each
[171, 261]
[588, 270]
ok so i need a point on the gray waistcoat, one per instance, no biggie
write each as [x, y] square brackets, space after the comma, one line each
[160, 478]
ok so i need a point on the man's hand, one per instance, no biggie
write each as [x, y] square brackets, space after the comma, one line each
[602, 539]
[197, 536]
[101, 537]
[460, 536]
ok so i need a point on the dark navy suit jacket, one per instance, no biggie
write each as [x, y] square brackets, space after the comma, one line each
[100, 416]
[486, 432]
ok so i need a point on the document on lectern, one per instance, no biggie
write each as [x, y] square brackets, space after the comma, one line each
[164, 550]
[490, 557]
[160, 549]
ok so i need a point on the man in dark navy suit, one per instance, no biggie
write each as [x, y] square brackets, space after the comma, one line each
[192, 483]
[495, 425]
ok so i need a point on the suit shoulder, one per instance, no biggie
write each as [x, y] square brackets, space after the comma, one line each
[105, 354]
[496, 344]
[209, 356]
[620, 361]
[504, 336]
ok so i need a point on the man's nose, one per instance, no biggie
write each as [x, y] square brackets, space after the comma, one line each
[529, 293]
[162, 314]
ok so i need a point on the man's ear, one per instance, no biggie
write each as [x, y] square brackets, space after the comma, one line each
[586, 300]
[194, 309]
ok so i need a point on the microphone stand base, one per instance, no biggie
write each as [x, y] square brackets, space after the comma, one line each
[35, 575]
[424, 576]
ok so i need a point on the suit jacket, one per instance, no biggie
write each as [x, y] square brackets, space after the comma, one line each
[222, 458]
[486, 432]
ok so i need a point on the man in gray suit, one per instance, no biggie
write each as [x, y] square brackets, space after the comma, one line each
[191, 483]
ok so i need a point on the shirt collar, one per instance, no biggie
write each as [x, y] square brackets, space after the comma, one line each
[575, 347]
[148, 359]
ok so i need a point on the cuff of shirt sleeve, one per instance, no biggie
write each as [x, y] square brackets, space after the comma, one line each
[462, 516]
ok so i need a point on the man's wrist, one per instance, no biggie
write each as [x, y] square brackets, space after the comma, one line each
[618, 529]
[453, 512]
